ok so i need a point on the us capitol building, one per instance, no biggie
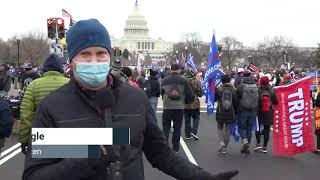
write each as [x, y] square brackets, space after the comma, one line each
[136, 37]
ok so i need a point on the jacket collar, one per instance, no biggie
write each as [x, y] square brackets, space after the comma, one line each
[52, 73]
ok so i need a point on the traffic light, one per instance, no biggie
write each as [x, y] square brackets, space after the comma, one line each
[51, 28]
[60, 27]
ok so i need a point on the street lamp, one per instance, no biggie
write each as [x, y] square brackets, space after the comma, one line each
[18, 44]
[186, 48]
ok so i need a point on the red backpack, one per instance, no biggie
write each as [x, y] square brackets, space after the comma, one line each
[265, 101]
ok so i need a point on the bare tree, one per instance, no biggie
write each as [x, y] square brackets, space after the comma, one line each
[4, 52]
[231, 49]
[316, 56]
[193, 39]
[272, 49]
[34, 47]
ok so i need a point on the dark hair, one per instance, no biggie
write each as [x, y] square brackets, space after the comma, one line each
[127, 71]
[175, 67]
[225, 79]
[153, 72]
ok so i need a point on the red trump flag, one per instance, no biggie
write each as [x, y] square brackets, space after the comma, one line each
[292, 119]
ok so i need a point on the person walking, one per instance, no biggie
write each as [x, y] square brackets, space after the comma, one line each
[267, 98]
[38, 89]
[226, 111]
[248, 95]
[192, 110]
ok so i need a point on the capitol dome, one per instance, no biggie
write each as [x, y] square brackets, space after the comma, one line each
[136, 36]
[136, 25]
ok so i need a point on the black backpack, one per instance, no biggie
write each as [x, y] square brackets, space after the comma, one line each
[226, 100]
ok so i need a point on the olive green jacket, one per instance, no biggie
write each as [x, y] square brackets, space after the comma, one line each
[35, 92]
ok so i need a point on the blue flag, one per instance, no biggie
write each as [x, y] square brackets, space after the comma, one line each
[212, 78]
[191, 64]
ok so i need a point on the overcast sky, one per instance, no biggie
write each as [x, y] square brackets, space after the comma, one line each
[250, 21]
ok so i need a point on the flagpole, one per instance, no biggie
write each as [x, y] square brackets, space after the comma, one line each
[56, 34]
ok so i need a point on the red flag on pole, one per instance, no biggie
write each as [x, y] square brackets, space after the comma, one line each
[253, 68]
[292, 123]
[66, 14]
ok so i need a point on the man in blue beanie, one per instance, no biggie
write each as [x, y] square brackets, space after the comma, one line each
[91, 91]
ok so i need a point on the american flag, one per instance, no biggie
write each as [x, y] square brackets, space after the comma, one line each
[66, 14]
[251, 67]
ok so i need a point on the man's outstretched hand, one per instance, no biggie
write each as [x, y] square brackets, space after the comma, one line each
[224, 175]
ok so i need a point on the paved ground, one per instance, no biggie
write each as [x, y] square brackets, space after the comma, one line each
[256, 166]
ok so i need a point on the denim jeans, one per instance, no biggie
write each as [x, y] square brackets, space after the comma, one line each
[195, 115]
[224, 132]
[154, 103]
[246, 120]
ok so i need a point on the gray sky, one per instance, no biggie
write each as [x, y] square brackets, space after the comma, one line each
[250, 21]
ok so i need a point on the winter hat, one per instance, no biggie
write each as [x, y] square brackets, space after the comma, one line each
[27, 65]
[127, 71]
[53, 63]
[240, 70]
[246, 73]
[116, 65]
[288, 77]
[264, 81]
[87, 33]
[269, 76]
[225, 79]
[153, 72]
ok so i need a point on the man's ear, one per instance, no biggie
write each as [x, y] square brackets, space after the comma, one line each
[73, 66]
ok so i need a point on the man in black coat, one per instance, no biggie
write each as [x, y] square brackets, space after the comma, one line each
[80, 103]
[6, 121]
[27, 76]
[176, 93]
[153, 89]
[5, 80]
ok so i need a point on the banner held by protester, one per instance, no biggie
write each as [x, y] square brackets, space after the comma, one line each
[293, 132]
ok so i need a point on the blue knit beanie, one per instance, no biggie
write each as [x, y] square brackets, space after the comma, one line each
[87, 33]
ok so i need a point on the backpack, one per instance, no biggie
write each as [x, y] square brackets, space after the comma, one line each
[174, 93]
[226, 100]
[250, 96]
[265, 101]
